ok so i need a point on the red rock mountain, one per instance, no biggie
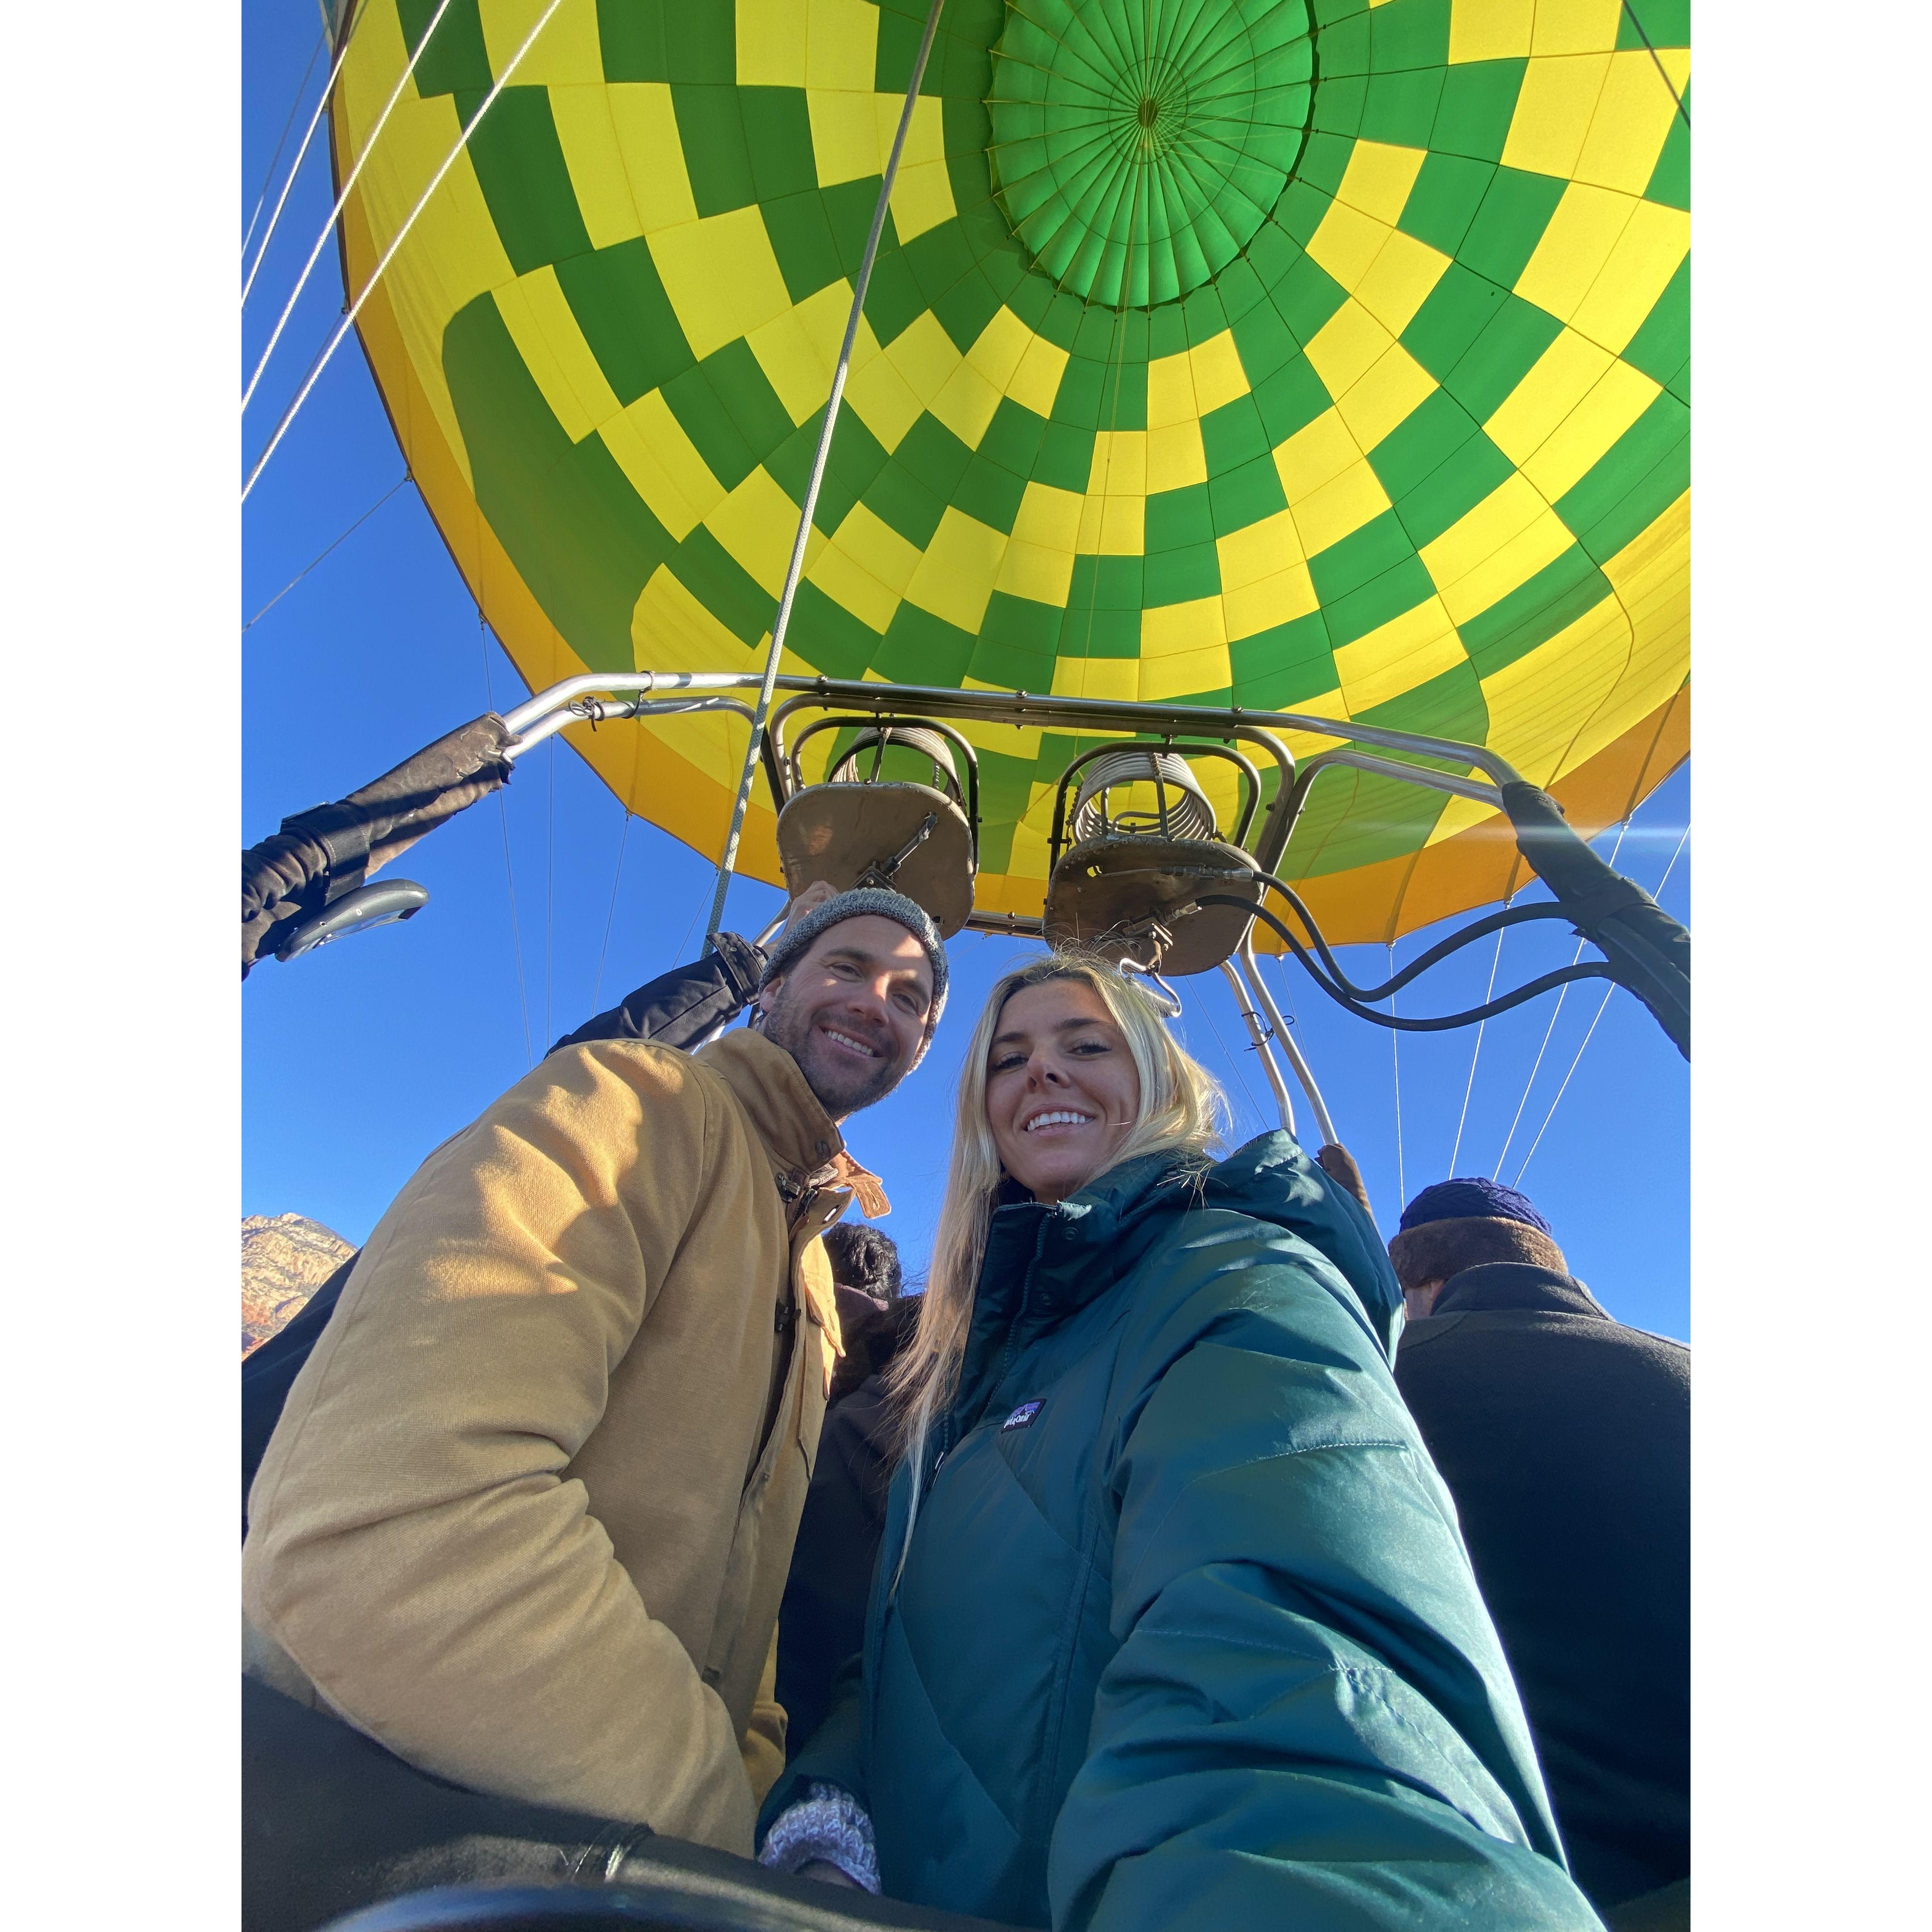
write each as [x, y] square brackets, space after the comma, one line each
[285, 1259]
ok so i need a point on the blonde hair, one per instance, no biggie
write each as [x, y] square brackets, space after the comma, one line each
[1181, 1108]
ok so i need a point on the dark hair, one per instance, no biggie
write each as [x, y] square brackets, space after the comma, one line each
[864, 1258]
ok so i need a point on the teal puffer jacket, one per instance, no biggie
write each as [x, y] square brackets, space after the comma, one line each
[1186, 1636]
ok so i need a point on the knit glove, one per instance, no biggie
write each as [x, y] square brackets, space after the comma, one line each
[826, 1825]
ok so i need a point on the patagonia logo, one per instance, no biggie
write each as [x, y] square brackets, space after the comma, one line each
[1021, 1416]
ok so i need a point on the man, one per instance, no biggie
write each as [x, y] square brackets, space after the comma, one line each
[1565, 1438]
[527, 1516]
[822, 1621]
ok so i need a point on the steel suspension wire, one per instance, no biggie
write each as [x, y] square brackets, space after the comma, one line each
[1481, 1026]
[1608, 992]
[1555, 1013]
[728, 863]
[335, 213]
[1395, 1054]
[321, 555]
[348, 322]
[281, 142]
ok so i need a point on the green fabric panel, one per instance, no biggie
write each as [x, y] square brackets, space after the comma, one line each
[1401, 107]
[990, 492]
[1277, 669]
[1180, 575]
[1014, 440]
[1478, 102]
[1635, 484]
[827, 635]
[932, 454]
[716, 578]
[701, 42]
[711, 128]
[565, 514]
[1176, 520]
[1239, 497]
[1345, 45]
[1006, 787]
[857, 457]
[1670, 179]
[519, 163]
[901, 501]
[457, 60]
[804, 243]
[631, 38]
[1515, 211]
[1290, 400]
[1666, 22]
[1233, 435]
[699, 398]
[777, 139]
[1437, 467]
[1017, 644]
[1410, 34]
[1661, 348]
[919, 648]
[1381, 598]
[1448, 191]
[893, 299]
[1532, 613]
[626, 317]
[1502, 354]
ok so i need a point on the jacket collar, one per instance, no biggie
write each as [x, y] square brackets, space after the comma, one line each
[785, 1113]
[1499, 1285]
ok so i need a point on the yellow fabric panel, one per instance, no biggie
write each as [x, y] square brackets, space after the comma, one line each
[649, 445]
[1219, 377]
[965, 404]
[566, 53]
[1330, 487]
[1347, 241]
[1036, 382]
[893, 390]
[1118, 679]
[844, 136]
[865, 568]
[1400, 280]
[1039, 561]
[798, 350]
[770, 43]
[956, 575]
[1000, 349]
[1407, 651]
[1646, 256]
[922, 189]
[1634, 114]
[1184, 650]
[1603, 260]
[1392, 388]
[1575, 27]
[1248, 556]
[1503, 542]
[1553, 113]
[841, 43]
[452, 254]
[672, 630]
[1119, 467]
[1589, 432]
[1176, 457]
[545, 331]
[1183, 388]
[757, 524]
[721, 277]
[1533, 703]
[1651, 575]
[647, 135]
[1287, 593]
[1482, 30]
[1560, 377]
[1378, 181]
[1114, 526]
[588, 136]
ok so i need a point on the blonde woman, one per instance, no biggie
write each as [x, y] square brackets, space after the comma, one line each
[1172, 1627]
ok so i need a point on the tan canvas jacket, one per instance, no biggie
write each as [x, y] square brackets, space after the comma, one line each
[526, 1518]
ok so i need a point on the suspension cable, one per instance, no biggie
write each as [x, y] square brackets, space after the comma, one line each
[1579, 1061]
[281, 142]
[1555, 1013]
[728, 863]
[1482, 1026]
[402, 235]
[321, 555]
[1395, 1055]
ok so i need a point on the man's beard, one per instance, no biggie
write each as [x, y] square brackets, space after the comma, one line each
[841, 1086]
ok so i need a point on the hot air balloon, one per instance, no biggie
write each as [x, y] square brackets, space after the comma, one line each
[1329, 360]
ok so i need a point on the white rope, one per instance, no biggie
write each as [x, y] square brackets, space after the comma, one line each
[281, 142]
[328, 226]
[294, 169]
[1489, 993]
[1555, 1013]
[1395, 1053]
[1608, 992]
[795, 569]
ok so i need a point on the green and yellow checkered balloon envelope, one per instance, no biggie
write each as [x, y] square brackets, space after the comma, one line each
[1300, 354]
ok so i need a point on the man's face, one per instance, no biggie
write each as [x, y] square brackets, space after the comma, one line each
[852, 1011]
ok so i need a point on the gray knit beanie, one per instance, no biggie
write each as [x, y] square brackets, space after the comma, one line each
[881, 903]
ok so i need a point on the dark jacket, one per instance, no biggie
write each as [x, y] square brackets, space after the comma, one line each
[1565, 1438]
[1187, 1637]
[822, 1621]
[683, 1008]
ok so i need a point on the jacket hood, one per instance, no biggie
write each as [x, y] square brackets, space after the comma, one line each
[1129, 1208]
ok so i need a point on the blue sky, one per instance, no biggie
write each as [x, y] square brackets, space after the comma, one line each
[359, 1059]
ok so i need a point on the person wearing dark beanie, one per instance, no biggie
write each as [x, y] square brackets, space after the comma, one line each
[1564, 1437]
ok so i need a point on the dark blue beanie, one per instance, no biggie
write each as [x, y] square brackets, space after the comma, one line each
[1472, 1199]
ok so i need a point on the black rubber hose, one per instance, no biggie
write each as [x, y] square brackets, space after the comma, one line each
[1595, 969]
